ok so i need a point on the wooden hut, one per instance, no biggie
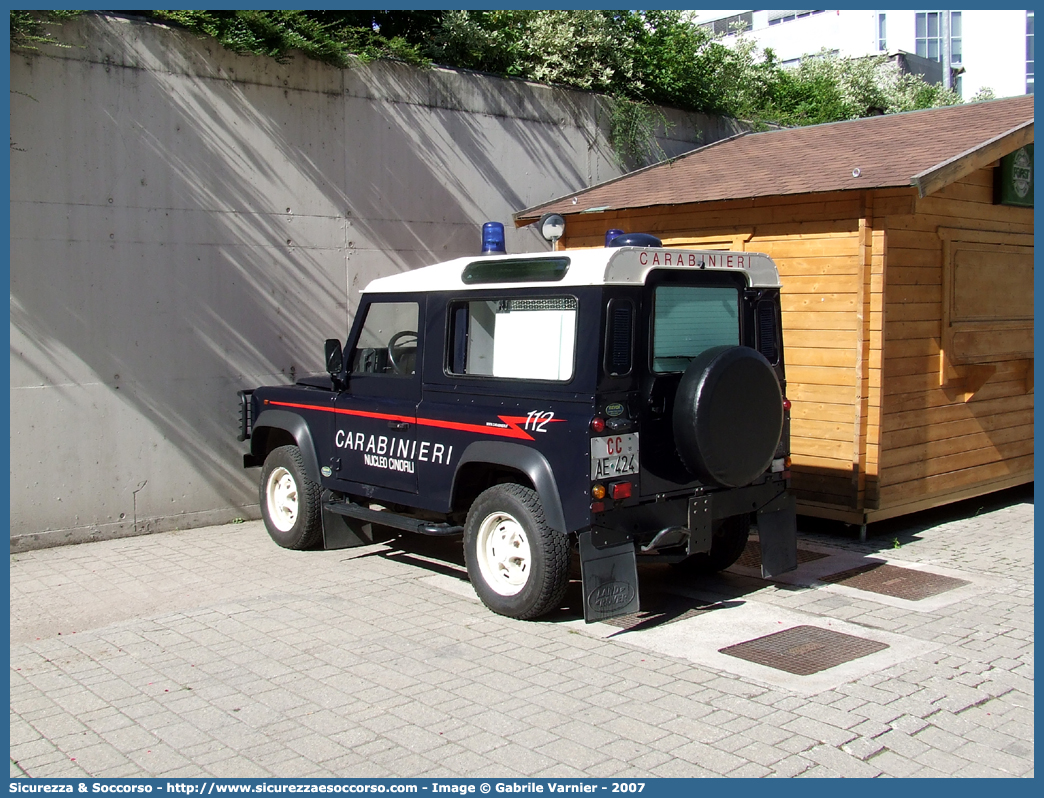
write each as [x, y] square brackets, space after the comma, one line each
[905, 245]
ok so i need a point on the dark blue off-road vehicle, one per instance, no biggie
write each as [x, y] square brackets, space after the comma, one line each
[625, 401]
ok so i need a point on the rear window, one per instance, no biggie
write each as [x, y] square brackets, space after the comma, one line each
[688, 320]
[520, 339]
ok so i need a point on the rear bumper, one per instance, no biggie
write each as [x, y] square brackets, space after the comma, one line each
[683, 525]
[675, 528]
[696, 513]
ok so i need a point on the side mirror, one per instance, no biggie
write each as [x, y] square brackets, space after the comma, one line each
[334, 357]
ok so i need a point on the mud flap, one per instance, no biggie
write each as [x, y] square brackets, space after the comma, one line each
[342, 532]
[610, 579]
[777, 532]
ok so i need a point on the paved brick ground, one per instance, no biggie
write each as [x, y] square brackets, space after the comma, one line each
[211, 652]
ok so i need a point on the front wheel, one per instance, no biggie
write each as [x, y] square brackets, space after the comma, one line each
[518, 565]
[290, 500]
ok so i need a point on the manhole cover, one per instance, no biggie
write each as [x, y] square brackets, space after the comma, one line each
[659, 609]
[891, 580]
[804, 650]
[751, 557]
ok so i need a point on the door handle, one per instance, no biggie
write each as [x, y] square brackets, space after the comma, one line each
[398, 425]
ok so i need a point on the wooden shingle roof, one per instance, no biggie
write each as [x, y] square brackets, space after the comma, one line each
[924, 149]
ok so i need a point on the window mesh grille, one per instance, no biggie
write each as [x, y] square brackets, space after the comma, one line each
[515, 305]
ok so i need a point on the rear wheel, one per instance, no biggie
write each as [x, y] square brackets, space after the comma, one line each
[727, 545]
[518, 565]
[289, 500]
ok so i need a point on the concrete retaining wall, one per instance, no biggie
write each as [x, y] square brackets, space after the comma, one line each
[186, 222]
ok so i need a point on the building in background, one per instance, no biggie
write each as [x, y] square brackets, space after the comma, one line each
[984, 49]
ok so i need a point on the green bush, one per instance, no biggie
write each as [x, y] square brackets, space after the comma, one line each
[638, 58]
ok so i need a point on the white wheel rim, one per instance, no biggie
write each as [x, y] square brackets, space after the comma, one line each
[504, 555]
[281, 493]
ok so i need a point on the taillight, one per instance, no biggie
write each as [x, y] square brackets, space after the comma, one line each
[621, 490]
[597, 424]
[786, 403]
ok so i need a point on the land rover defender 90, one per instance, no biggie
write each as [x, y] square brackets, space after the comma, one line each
[627, 403]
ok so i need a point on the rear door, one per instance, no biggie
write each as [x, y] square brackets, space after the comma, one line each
[684, 314]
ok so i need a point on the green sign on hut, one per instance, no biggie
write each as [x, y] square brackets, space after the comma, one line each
[1014, 179]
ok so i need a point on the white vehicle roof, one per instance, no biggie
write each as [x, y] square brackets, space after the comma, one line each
[603, 266]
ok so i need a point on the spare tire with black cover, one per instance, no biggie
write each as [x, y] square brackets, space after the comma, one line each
[728, 416]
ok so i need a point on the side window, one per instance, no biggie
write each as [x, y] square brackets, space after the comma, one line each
[521, 339]
[388, 341]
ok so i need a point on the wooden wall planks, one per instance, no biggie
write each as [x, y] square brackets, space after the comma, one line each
[873, 427]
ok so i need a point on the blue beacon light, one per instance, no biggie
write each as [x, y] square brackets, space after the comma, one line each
[493, 239]
[611, 234]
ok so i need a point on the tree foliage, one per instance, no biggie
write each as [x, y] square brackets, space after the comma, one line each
[640, 58]
[331, 37]
[29, 28]
[827, 88]
[659, 57]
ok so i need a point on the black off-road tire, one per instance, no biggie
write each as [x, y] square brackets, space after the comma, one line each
[727, 545]
[290, 503]
[519, 566]
[728, 416]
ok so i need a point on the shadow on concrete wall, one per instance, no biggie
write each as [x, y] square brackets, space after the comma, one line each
[219, 235]
[446, 168]
[201, 287]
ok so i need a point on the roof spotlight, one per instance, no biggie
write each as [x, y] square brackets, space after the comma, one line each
[552, 227]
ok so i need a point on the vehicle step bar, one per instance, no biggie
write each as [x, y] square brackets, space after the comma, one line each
[393, 520]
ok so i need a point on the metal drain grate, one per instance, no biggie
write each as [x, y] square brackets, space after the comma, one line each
[751, 557]
[660, 609]
[891, 580]
[804, 650]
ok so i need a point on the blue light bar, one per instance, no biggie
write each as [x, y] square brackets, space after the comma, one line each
[636, 240]
[493, 239]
